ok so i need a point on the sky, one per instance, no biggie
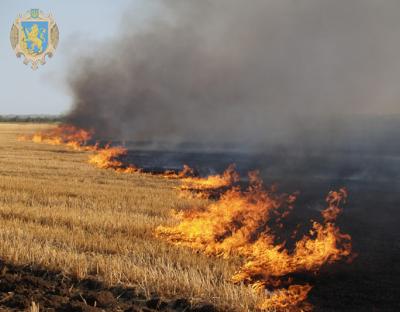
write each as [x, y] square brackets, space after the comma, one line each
[24, 91]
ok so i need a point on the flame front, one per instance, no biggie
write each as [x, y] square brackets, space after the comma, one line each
[211, 186]
[229, 177]
[109, 158]
[288, 299]
[186, 172]
[68, 135]
[244, 223]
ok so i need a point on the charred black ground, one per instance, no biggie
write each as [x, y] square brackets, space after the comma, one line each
[369, 282]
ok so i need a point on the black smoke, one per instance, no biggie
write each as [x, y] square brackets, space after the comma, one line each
[311, 75]
[256, 71]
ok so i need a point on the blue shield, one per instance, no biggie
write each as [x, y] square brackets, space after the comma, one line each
[35, 36]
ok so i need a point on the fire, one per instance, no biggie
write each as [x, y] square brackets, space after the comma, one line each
[77, 139]
[109, 158]
[334, 200]
[229, 177]
[212, 185]
[244, 223]
[229, 223]
[185, 173]
[68, 135]
[239, 223]
[282, 300]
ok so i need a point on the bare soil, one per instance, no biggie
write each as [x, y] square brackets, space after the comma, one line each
[54, 291]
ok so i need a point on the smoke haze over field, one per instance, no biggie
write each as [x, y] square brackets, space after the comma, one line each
[234, 70]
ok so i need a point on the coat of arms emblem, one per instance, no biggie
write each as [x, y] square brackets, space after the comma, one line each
[34, 36]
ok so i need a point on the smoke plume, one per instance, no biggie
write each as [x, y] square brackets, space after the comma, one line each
[246, 71]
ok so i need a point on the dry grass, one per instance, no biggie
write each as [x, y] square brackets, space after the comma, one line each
[59, 212]
[34, 307]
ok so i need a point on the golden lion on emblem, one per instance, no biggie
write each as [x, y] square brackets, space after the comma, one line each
[35, 37]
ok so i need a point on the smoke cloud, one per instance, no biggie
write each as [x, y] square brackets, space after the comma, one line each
[256, 71]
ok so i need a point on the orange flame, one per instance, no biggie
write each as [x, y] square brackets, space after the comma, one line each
[212, 185]
[334, 200]
[229, 177]
[108, 158]
[239, 223]
[185, 173]
[68, 135]
[77, 139]
[283, 299]
[242, 223]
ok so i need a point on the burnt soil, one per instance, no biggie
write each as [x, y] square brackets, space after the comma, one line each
[371, 282]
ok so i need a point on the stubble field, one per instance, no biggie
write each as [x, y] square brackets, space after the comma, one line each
[59, 213]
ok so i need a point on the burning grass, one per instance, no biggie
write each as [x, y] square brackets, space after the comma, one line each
[239, 229]
[61, 213]
[62, 135]
[109, 158]
[244, 223]
[210, 186]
